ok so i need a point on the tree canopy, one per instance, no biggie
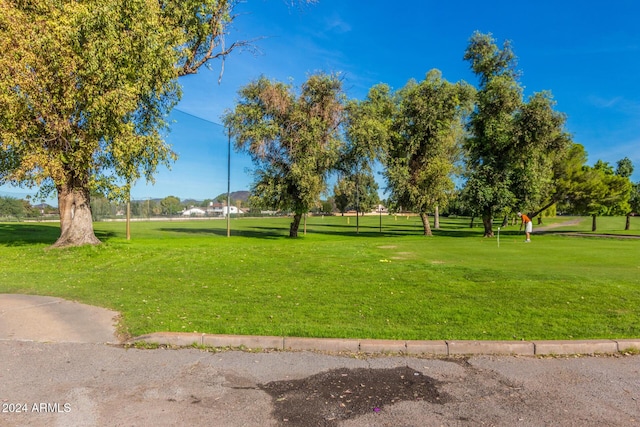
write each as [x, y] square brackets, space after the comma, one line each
[425, 143]
[599, 191]
[85, 90]
[357, 190]
[634, 202]
[512, 143]
[10, 206]
[366, 131]
[292, 138]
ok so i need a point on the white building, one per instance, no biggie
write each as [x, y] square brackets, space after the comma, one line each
[224, 210]
[194, 211]
[219, 209]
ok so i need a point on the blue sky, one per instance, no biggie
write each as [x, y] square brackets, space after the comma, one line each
[586, 53]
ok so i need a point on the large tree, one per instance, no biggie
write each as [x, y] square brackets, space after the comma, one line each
[513, 143]
[425, 143]
[367, 126]
[490, 146]
[85, 89]
[542, 144]
[624, 169]
[292, 138]
[634, 203]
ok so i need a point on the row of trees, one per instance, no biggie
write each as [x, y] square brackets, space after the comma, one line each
[511, 153]
[17, 208]
[86, 87]
[102, 207]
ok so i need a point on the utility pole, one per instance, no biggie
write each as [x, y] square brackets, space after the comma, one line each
[229, 183]
[128, 213]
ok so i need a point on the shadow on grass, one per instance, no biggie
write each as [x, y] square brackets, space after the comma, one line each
[369, 231]
[258, 232]
[366, 230]
[263, 232]
[459, 232]
[24, 234]
[104, 236]
[392, 230]
[21, 234]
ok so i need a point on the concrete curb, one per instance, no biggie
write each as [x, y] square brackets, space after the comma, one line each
[433, 348]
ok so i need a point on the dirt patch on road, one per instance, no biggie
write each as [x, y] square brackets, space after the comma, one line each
[329, 397]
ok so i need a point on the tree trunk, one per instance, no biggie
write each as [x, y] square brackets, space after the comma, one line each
[295, 224]
[425, 223]
[76, 224]
[544, 208]
[487, 221]
[505, 221]
[471, 224]
[540, 220]
[436, 219]
[593, 222]
[627, 225]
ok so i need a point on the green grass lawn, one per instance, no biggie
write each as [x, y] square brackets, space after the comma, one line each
[395, 284]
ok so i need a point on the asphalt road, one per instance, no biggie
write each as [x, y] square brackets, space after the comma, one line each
[79, 382]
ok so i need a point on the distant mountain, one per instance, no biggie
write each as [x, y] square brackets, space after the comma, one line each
[235, 195]
[191, 202]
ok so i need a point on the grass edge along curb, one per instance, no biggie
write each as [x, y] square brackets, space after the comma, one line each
[409, 347]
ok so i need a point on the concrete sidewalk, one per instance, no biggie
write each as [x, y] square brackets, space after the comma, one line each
[49, 319]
